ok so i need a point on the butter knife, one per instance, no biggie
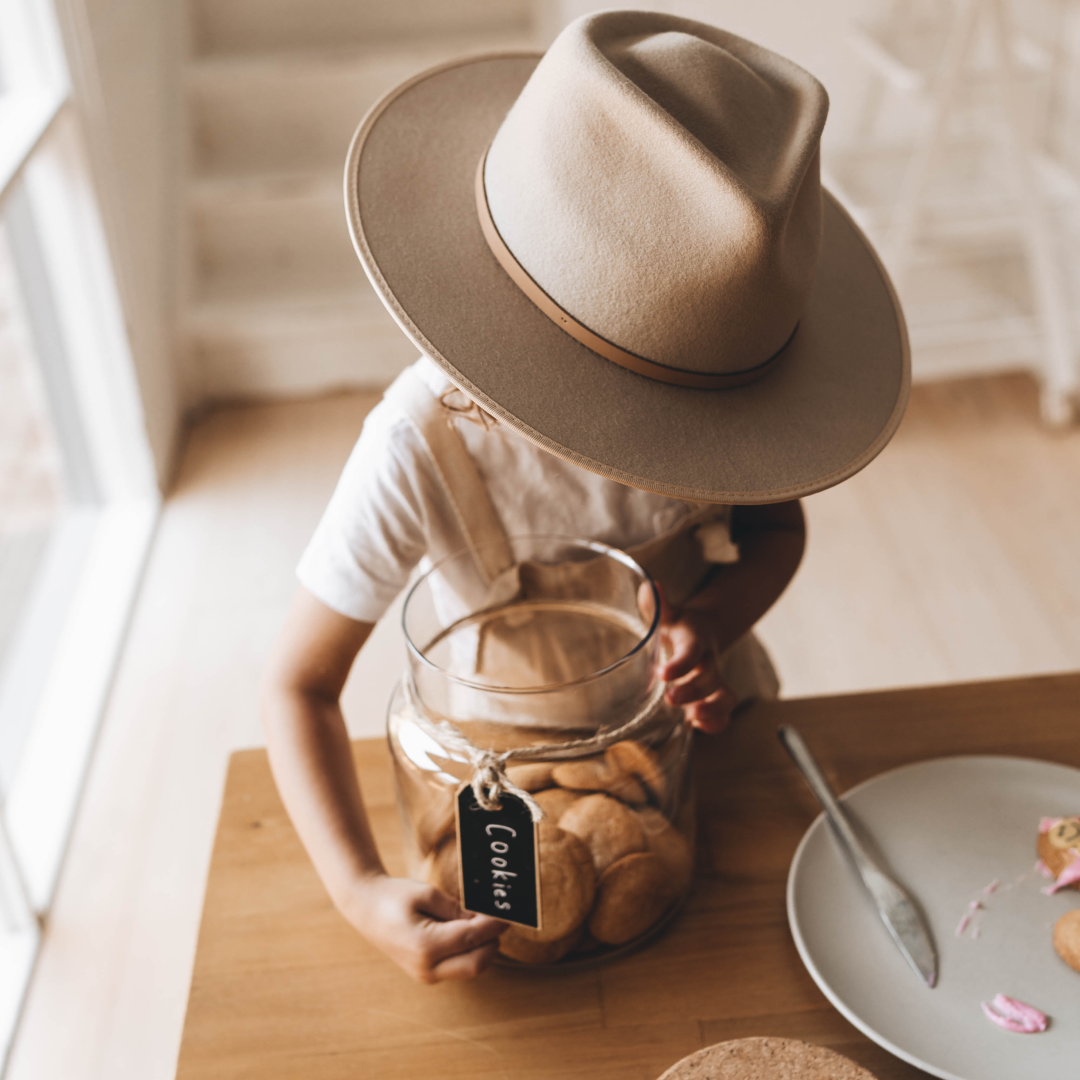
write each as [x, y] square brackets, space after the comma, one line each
[896, 908]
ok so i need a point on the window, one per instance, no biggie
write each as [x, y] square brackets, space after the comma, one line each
[78, 497]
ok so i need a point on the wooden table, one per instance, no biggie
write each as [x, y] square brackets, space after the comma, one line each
[284, 988]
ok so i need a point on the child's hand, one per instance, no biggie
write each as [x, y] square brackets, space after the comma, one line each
[423, 930]
[690, 667]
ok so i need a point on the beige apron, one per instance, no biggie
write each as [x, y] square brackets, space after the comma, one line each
[677, 559]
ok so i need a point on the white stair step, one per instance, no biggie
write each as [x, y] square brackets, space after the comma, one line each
[232, 26]
[300, 344]
[254, 239]
[290, 112]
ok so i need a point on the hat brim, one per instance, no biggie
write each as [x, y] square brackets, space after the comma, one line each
[823, 412]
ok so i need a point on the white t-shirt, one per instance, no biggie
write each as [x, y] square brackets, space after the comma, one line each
[389, 508]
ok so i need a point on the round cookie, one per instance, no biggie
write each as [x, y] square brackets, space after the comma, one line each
[600, 774]
[555, 802]
[1057, 844]
[516, 944]
[531, 775]
[609, 828]
[638, 760]
[669, 845]
[567, 886]
[766, 1059]
[441, 868]
[632, 894]
[1067, 938]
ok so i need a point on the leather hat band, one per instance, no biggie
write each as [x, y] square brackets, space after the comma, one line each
[631, 361]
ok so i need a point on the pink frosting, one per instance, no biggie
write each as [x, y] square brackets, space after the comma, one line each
[1047, 823]
[1043, 869]
[964, 922]
[1069, 876]
[1013, 1015]
[991, 888]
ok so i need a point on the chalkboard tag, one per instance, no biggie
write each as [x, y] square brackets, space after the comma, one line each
[498, 859]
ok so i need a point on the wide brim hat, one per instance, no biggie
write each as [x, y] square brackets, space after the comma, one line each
[827, 403]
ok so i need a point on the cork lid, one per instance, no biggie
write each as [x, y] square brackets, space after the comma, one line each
[765, 1059]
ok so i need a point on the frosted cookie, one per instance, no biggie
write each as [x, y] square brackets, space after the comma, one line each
[669, 845]
[609, 828]
[640, 761]
[441, 868]
[632, 894]
[1067, 938]
[555, 802]
[600, 774]
[531, 775]
[1059, 841]
[766, 1059]
[516, 944]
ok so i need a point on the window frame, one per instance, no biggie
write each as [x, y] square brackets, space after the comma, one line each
[71, 635]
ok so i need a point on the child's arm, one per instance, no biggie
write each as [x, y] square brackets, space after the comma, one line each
[420, 928]
[771, 540]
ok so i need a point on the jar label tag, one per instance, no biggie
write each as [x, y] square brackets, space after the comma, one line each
[498, 859]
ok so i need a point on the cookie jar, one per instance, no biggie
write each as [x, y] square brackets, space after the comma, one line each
[540, 680]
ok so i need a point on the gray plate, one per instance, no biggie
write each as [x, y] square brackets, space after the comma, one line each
[947, 828]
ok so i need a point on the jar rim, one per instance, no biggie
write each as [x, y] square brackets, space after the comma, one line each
[592, 545]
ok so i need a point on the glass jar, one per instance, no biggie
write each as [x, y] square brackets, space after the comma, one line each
[560, 647]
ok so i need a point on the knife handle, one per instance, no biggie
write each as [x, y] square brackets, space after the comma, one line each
[836, 815]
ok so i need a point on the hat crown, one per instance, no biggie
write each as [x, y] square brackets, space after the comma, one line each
[658, 178]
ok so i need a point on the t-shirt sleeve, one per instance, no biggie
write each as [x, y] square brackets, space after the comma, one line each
[373, 532]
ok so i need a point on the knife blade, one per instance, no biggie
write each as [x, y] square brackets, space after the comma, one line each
[897, 909]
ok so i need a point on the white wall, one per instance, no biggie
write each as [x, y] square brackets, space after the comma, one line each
[124, 55]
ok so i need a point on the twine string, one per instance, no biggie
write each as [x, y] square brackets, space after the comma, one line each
[489, 779]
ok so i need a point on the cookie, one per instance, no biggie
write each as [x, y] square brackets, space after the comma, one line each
[669, 845]
[515, 944]
[531, 775]
[555, 802]
[441, 868]
[600, 774]
[1058, 843]
[609, 828]
[632, 894]
[766, 1059]
[585, 943]
[638, 760]
[567, 885]
[1067, 938]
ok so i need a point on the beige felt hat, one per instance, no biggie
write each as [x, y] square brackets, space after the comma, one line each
[623, 251]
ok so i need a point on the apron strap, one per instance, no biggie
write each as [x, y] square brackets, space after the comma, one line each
[461, 481]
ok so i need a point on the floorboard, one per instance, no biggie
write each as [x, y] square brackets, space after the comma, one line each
[951, 557]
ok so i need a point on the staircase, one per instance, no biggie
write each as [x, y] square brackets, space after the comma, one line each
[274, 300]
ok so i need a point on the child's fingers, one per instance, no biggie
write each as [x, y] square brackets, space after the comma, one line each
[714, 713]
[443, 939]
[466, 965]
[430, 901]
[685, 649]
[695, 686]
[647, 602]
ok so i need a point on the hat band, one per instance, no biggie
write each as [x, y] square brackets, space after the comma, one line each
[631, 361]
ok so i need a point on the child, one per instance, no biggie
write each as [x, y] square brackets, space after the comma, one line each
[642, 322]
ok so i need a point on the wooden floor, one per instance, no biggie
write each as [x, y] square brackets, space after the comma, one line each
[954, 556]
